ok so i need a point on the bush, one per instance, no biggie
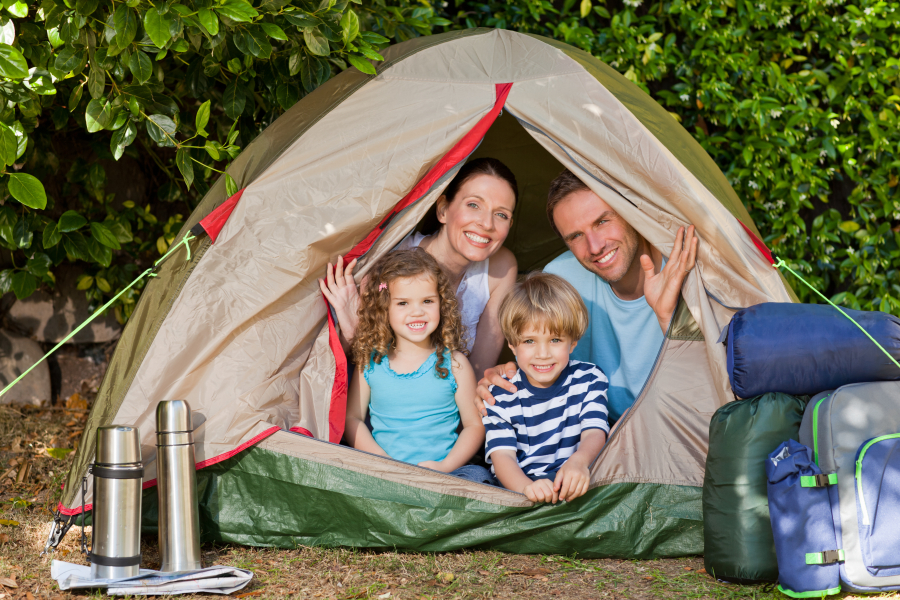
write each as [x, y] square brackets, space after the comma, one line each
[798, 103]
[179, 86]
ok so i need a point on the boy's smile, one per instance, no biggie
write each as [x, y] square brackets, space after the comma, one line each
[542, 355]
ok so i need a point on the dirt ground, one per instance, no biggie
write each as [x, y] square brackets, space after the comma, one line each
[34, 460]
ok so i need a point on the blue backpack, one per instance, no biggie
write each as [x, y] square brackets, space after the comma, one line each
[834, 498]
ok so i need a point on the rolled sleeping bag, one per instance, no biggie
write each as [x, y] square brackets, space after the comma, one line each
[737, 533]
[803, 349]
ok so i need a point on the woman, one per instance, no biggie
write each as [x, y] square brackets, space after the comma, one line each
[475, 213]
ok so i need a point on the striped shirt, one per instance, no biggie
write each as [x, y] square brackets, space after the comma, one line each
[543, 425]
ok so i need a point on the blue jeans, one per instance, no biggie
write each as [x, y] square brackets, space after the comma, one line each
[475, 473]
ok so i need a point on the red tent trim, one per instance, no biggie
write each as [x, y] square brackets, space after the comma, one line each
[760, 245]
[214, 222]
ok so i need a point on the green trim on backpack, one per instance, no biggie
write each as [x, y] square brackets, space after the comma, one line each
[815, 481]
[819, 558]
[813, 594]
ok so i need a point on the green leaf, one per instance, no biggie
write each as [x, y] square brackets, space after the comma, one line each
[8, 221]
[6, 280]
[100, 253]
[18, 9]
[21, 138]
[12, 63]
[75, 97]
[302, 20]
[316, 42]
[52, 236]
[102, 234]
[121, 139]
[122, 233]
[98, 115]
[39, 264]
[237, 10]
[76, 246]
[157, 27]
[274, 31]
[59, 453]
[85, 282]
[126, 23]
[160, 125]
[233, 99]
[70, 221]
[361, 63]
[202, 118]
[141, 66]
[24, 284]
[585, 8]
[96, 83]
[22, 234]
[230, 186]
[28, 190]
[8, 32]
[103, 284]
[69, 59]
[849, 226]
[287, 95]
[258, 43]
[209, 20]
[350, 26]
[85, 7]
[185, 165]
[373, 38]
[8, 145]
[212, 150]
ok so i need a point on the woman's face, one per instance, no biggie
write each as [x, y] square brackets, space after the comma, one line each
[477, 221]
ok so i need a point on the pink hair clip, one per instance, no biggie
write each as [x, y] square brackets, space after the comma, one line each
[382, 286]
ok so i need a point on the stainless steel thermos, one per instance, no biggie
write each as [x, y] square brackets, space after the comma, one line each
[179, 523]
[118, 474]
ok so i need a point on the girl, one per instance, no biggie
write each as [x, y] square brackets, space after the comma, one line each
[413, 378]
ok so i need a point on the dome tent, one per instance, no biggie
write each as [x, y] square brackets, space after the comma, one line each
[241, 331]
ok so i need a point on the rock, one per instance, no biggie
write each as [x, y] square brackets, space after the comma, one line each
[17, 353]
[51, 317]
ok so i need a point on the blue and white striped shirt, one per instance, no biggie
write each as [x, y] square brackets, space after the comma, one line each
[543, 425]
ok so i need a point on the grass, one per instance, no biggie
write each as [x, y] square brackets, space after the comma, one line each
[27, 436]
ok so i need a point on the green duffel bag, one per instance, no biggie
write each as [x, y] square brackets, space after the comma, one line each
[737, 533]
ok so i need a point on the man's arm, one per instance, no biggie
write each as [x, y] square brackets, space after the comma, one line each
[494, 376]
[661, 290]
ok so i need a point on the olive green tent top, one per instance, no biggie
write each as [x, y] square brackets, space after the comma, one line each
[241, 331]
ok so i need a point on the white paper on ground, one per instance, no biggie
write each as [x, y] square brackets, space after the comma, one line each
[214, 580]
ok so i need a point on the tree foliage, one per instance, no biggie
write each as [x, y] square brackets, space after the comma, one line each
[179, 85]
[798, 102]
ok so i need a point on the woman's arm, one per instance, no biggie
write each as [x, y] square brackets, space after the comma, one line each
[355, 431]
[488, 336]
[471, 438]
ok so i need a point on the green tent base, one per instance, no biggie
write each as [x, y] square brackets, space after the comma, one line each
[296, 502]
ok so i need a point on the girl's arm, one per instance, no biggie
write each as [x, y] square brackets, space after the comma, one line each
[355, 431]
[471, 438]
[488, 337]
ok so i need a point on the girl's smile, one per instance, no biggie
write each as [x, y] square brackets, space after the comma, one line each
[415, 310]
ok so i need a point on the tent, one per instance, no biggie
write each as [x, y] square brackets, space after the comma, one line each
[239, 328]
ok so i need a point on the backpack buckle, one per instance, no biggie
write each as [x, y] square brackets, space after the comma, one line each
[828, 557]
[818, 481]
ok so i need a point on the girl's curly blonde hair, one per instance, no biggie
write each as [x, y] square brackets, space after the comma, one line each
[374, 336]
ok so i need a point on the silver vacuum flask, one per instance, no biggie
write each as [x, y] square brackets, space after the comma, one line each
[179, 523]
[118, 474]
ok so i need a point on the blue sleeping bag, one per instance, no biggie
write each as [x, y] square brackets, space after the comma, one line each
[803, 349]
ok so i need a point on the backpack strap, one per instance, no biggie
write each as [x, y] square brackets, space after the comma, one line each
[827, 557]
[817, 481]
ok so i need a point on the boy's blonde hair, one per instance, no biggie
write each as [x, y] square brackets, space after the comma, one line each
[543, 301]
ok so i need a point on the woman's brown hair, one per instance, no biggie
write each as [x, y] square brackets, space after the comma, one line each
[374, 336]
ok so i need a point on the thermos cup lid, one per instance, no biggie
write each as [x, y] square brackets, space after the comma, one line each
[118, 444]
[173, 415]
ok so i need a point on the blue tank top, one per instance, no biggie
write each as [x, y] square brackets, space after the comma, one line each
[414, 415]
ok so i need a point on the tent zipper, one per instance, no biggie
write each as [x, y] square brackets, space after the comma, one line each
[859, 461]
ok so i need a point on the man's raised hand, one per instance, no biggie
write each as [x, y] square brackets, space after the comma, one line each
[339, 289]
[661, 290]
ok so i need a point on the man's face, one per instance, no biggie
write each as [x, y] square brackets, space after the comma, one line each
[599, 238]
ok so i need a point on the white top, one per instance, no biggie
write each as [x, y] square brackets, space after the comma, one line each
[473, 292]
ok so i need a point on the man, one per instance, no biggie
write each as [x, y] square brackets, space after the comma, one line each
[630, 290]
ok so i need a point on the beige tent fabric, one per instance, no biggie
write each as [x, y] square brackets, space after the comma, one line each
[244, 342]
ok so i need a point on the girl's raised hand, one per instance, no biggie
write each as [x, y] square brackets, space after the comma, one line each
[340, 290]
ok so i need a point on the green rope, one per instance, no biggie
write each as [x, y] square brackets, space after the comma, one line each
[185, 241]
[781, 263]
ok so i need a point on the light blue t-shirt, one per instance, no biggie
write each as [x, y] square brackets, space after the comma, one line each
[414, 415]
[623, 337]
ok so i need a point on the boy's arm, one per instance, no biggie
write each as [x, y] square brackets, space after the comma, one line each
[472, 435]
[513, 478]
[573, 477]
[355, 431]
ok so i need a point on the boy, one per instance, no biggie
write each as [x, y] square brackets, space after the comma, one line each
[542, 438]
